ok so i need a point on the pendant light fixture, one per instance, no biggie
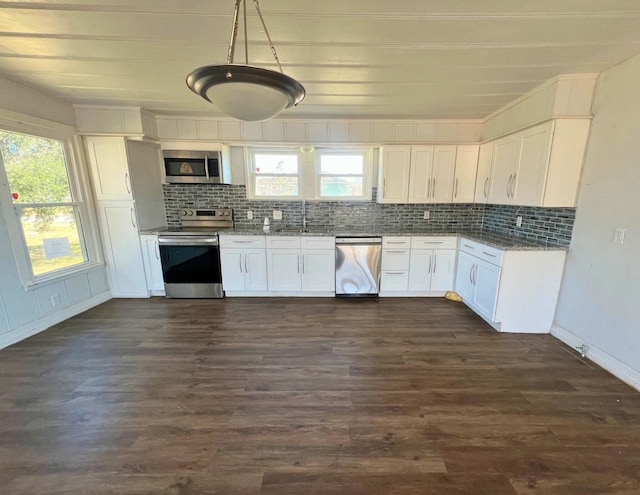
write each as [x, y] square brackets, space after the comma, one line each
[243, 91]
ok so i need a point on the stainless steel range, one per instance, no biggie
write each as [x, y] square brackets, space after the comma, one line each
[190, 254]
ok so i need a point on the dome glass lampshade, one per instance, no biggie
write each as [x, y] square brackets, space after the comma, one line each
[245, 92]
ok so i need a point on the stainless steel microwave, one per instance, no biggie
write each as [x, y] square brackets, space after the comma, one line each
[195, 167]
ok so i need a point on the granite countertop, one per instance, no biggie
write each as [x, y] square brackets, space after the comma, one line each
[494, 240]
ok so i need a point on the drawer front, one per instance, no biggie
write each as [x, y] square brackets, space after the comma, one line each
[283, 242]
[394, 280]
[242, 241]
[482, 251]
[433, 242]
[396, 242]
[395, 259]
[318, 242]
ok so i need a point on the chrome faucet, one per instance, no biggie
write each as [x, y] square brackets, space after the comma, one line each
[304, 214]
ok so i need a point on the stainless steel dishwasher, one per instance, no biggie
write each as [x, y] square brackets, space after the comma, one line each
[358, 266]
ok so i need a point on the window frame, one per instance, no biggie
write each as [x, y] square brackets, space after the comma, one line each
[250, 153]
[81, 202]
[367, 183]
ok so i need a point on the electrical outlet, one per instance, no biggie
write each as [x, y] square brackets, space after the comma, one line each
[277, 214]
[426, 215]
[55, 300]
[249, 215]
[518, 221]
[618, 236]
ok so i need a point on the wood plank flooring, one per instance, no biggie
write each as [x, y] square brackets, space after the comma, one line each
[308, 396]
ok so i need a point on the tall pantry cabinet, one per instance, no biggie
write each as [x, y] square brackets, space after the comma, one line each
[127, 183]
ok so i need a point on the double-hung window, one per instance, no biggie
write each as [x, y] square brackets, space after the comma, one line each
[44, 202]
[274, 173]
[343, 174]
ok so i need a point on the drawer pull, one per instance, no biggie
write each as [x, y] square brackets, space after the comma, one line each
[490, 254]
[397, 242]
[470, 247]
[395, 273]
[396, 252]
[242, 242]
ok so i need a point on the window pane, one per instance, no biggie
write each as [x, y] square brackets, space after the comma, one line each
[36, 168]
[53, 238]
[341, 186]
[275, 163]
[342, 164]
[276, 186]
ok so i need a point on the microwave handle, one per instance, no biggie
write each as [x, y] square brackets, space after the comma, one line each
[206, 166]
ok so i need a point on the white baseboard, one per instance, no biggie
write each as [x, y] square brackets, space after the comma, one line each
[26, 331]
[612, 365]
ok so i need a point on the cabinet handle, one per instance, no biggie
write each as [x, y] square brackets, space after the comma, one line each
[435, 262]
[467, 246]
[246, 269]
[133, 221]
[475, 274]
[430, 259]
[432, 242]
[433, 190]
[429, 188]
[489, 254]
[485, 189]
[455, 194]
[126, 183]
[156, 250]
[513, 186]
[384, 188]
[241, 242]
[395, 252]
[298, 263]
[303, 263]
[206, 166]
[395, 273]
[471, 274]
[509, 186]
[396, 242]
[240, 262]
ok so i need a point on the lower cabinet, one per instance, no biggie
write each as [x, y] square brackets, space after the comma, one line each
[418, 265]
[301, 265]
[152, 264]
[244, 265]
[513, 290]
[122, 249]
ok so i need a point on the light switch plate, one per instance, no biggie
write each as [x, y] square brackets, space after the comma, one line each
[618, 236]
[277, 214]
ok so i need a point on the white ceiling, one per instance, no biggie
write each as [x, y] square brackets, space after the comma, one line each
[427, 59]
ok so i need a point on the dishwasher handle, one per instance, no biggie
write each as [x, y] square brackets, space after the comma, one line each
[359, 240]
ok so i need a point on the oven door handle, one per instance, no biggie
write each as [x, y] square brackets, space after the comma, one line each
[187, 242]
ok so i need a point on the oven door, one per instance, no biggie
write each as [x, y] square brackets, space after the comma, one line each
[191, 267]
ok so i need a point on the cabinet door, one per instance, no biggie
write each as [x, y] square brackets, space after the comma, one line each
[109, 168]
[284, 268]
[318, 270]
[420, 270]
[255, 265]
[395, 162]
[395, 259]
[483, 178]
[505, 155]
[420, 176]
[528, 183]
[444, 165]
[396, 281]
[486, 278]
[122, 249]
[152, 264]
[443, 269]
[232, 263]
[146, 180]
[464, 274]
[464, 182]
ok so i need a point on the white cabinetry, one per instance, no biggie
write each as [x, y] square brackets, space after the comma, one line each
[127, 184]
[425, 174]
[301, 265]
[464, 181]
[513, 290]
[418, 265]
[152, 264]
[539, 166]
[483, 177]
[244, 265]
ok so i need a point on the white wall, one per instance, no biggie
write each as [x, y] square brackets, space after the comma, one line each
[26, 312]
[598, 303]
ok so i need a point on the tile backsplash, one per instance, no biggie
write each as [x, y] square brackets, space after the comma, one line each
[551, 226]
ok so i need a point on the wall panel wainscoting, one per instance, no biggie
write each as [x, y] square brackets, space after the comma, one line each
[314, 396]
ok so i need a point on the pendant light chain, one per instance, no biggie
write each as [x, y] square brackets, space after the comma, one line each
[266, 31]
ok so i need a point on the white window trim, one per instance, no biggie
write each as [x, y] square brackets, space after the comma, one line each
[250, 151]
[80, 190]
[367, 184]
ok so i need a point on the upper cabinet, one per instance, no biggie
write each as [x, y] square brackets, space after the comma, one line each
[464, 181]
[483, 177]
[110, 168]
[417, 174]
[539, 166]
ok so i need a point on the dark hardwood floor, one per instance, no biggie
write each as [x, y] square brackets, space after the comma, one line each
[308, 396]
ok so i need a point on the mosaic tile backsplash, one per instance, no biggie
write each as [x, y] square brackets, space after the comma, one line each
[551, 226]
